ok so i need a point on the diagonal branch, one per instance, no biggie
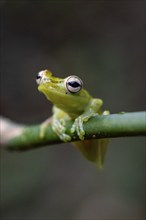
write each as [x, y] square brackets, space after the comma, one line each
[108, 126]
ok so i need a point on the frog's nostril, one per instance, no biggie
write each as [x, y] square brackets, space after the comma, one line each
[37, 76]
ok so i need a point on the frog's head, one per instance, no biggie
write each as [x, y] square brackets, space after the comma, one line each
[59, 90]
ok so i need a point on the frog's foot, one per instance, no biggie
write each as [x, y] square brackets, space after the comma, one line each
[43, 126]
[78, 125]
[58, 127]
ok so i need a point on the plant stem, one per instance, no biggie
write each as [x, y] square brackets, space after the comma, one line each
[105, 126]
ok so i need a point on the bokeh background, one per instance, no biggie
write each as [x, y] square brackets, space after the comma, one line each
[103, 42]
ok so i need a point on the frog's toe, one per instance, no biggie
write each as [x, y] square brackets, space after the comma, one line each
[106, 112]
[65, 137]
[78, 127]
[73, 128]
[59, 129]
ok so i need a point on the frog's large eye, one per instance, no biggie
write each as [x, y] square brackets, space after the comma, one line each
[73, 84]
[39, 77]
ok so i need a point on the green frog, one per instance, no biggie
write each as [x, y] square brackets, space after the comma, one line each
[72, 102]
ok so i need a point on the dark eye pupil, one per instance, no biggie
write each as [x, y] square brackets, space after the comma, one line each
[74, 84]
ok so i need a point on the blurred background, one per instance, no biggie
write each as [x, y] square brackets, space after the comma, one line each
[103, 42]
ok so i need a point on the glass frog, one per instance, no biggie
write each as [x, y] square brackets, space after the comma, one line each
[72, 102]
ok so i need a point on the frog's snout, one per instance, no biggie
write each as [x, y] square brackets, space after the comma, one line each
[42, 77]
[39, 77]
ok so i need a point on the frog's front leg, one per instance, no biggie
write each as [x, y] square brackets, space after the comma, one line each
[94, 108]
[58, 124]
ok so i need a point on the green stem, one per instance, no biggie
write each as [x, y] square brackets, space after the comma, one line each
[109, 126]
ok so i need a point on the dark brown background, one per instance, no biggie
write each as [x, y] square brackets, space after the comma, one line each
[103, 42]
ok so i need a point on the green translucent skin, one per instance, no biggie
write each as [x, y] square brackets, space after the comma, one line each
[79, 107]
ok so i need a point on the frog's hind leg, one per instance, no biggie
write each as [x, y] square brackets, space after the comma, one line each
[43, 126]
[94, 150]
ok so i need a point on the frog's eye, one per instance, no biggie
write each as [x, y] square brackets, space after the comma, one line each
[39, 77]
[73, 84]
